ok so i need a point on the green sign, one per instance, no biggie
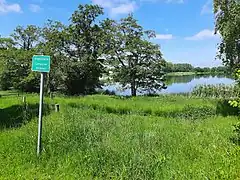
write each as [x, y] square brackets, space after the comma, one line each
[41, 63]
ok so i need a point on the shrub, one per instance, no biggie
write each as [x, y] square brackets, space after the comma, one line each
[236, 136]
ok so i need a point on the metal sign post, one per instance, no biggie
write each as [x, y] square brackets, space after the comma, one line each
[39, 143]
[40, 64]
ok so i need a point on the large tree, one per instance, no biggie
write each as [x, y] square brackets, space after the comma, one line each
[227, 13]
[84, 45]
[54, 39]
[136, 61]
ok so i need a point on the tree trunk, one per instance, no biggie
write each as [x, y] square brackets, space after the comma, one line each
[133, 88]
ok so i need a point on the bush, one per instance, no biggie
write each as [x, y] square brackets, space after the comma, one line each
[226, 109]
[194, 113]
[236, 136]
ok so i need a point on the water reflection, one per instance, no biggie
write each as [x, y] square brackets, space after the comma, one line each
[178, 84]
[188, 78]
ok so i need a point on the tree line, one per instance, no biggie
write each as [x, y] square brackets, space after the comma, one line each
[185, 67]
[81, 52]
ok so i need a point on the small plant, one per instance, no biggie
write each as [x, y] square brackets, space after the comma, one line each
[236, 137]
[236, 102]
[237, 129]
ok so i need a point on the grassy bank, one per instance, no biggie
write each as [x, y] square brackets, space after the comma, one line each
[102, 137]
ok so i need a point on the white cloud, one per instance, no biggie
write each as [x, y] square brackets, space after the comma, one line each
[166, 1]
[35, 8]
[123, 9]
[202, 35]
[164, 36]
[6, 7]
[207, 8]
[103, 3]
[116, 7]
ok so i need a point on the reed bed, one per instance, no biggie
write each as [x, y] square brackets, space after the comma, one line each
[217, 91]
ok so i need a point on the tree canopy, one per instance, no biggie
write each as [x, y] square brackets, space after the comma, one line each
[136, 61]
[227, 24]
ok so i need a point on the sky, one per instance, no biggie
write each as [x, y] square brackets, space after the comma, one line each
[184, 28]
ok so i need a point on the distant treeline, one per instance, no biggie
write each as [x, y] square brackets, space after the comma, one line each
[185, 67]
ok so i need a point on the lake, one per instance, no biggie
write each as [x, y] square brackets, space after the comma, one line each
[178, 84]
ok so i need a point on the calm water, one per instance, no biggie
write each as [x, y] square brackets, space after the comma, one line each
[178, 84]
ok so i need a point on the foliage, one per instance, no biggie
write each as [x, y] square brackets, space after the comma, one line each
[227, 13]
[84, 48]
[134, 60]
[236, 137]
[17, 69]
[74, 52]
[228, 25]
[236, 102]
[26, 38]
[180, 67]
[54, 44]
[16, 54]
[184, 67]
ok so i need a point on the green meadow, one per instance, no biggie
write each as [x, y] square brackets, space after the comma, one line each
[110, 137]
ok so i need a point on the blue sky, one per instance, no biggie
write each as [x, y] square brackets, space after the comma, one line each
[184, 27]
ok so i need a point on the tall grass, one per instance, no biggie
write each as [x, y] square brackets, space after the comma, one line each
[217, 91]
[102, 137]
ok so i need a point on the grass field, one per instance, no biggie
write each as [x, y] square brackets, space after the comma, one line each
[103, 137]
